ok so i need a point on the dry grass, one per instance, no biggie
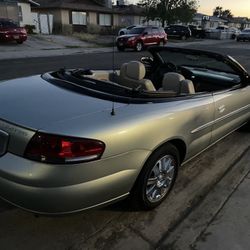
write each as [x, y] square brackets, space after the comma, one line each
[86, 37]
[95, 40]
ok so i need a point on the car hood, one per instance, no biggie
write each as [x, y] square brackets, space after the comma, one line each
[37, 104]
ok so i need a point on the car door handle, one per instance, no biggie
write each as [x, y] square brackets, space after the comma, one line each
[222, 108]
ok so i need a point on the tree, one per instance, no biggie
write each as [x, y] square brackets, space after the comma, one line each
[169, 10]
[219, 12]
[227, 14]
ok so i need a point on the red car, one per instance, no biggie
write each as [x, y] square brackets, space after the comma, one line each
[9, 31]
[140, 37]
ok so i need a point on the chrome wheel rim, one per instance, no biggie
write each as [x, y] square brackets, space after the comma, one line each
[160, 178]
[138, 46]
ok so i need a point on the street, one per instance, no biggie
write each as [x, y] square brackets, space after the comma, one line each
[116, 226]
[30, 66]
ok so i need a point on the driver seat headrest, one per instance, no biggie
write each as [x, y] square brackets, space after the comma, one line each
[176, 82]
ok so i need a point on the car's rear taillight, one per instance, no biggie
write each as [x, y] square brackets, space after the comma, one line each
[56, 149]
[23, 31]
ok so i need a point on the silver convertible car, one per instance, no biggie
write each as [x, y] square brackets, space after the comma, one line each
[76, 139]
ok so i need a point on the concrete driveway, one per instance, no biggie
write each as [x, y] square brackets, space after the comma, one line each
[47, 45]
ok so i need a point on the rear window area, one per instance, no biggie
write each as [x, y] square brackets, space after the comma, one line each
[7, 24]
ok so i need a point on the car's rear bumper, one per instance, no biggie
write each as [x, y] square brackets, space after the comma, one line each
[58, 189]
[13, 37]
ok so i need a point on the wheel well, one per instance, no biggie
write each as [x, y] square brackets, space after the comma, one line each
[181, 146]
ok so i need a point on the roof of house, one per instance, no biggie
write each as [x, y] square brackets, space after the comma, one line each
[199, 16]
[31, 2]
[90, 5]
[239, 20]
[129, 9]
[85, 5]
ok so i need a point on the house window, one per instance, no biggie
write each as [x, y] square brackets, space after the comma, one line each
[20, 14]
[79, 18]
[105, 19]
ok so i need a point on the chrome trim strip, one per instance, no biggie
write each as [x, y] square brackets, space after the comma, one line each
[212, 144]
[206, 125]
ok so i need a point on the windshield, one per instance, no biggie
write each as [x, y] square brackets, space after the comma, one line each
[136, 30]
[201, 61]
[247, 31]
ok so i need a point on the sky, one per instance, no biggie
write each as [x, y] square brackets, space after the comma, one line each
[237, 7]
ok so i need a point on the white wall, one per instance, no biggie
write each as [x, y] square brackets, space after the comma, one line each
[26, 14]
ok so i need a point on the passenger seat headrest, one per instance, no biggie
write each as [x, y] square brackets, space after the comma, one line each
[135, 70]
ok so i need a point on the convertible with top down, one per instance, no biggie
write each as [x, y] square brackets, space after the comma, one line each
[75, 139]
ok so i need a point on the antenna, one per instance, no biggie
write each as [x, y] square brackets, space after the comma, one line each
[113, 60]
[113, 51]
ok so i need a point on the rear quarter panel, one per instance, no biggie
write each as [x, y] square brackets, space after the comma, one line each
[145, 126]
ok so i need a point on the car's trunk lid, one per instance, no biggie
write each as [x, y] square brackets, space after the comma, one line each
[35, 103]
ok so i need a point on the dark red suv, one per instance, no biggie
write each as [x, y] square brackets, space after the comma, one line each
[141, 36]
[9, 31]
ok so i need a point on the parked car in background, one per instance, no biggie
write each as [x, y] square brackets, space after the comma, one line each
[9, 31]
[197, 31]
[223, 31]
[140, 37]
[178, 31]
[234, 31]
[244, 35]
[126, 30]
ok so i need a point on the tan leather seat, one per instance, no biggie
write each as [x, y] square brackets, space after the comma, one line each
[176, 82]
[132, 75]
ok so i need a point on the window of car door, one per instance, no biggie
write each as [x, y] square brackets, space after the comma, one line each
[148, 35]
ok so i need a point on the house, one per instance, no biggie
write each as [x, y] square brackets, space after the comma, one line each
[9, 9]
[239, 22]
[25, 16]
[75, 15]
[208, 22]
[18, 11]
[126, 15]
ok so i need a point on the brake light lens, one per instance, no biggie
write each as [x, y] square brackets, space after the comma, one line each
[56, 149]
[24, 31]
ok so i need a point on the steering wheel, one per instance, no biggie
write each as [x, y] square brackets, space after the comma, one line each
[171, 66]
[148, 62]
[158, 73]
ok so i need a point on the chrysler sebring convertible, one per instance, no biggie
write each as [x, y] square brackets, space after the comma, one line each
[75, 139]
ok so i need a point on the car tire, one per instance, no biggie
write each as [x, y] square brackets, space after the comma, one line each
[161, 43]
[184, 37]
[156, 179]
[120, 48]
[139, 46]
[233, 36]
